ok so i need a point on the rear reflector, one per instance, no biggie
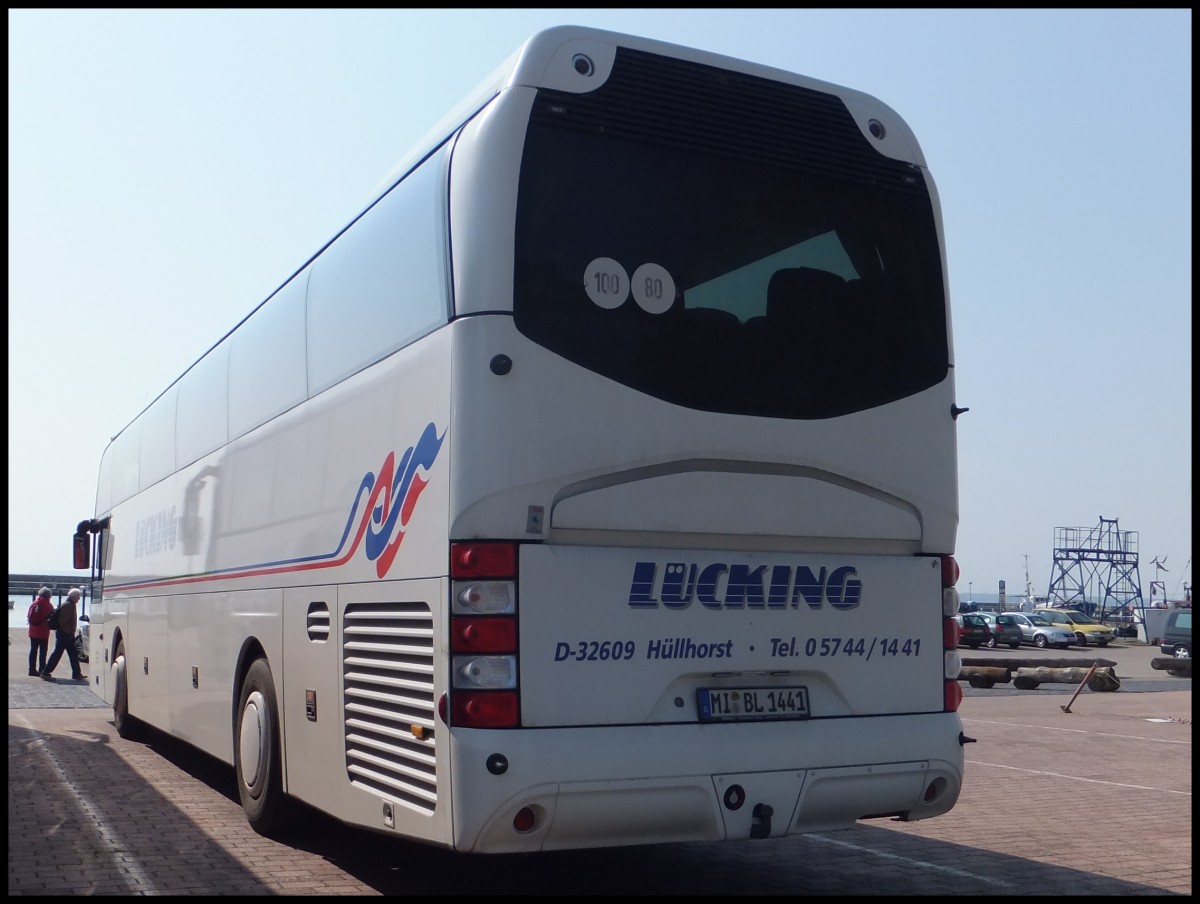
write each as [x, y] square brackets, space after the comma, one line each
[525, 820]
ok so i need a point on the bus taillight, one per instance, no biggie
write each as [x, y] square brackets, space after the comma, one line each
[483, 635]
[483, 560]
[950, 571]
[952, 662]
[951, 633]
[952, 697]
[950, 599]
[485, 709]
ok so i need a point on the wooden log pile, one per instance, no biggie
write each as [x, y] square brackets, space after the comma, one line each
[1181, 668]
[1026, 675]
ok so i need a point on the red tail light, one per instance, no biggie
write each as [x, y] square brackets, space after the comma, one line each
[483, 634]
[950, 633]
[952, 696]
[484, 709]
[950, 571]
[483, 560]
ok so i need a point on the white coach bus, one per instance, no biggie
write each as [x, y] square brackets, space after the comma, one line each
[596, 485]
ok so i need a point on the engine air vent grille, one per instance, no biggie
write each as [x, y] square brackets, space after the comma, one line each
[387, 669]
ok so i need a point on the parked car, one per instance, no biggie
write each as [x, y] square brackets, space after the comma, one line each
[1085, 628]
[1038, 630]
[973, 630]
[1177, 635]
[1004, 629]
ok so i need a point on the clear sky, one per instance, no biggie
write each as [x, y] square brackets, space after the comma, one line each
[169, 168]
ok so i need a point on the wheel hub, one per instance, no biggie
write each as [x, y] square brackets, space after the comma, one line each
[250, 739]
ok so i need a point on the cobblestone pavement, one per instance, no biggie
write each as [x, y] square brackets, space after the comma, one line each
[1096, 801]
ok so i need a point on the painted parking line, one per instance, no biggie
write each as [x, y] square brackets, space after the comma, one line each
[1098, 734]
[923, 864]
[1076, 778]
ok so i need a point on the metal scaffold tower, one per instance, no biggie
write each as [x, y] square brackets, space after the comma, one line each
[1096, 570]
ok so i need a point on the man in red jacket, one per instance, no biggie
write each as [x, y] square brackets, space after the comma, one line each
[39, 631]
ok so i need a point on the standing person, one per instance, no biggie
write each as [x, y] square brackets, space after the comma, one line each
[64, 638]
[39, 631]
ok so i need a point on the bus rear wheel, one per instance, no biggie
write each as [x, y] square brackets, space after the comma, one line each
[127, 726]
[257, 752]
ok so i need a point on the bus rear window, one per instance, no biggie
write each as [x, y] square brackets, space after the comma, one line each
[672, 244]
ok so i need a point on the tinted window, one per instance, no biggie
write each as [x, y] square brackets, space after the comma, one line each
[267, 373]
[124, 452]
[203, 419]
[382, 283]
[699, 245]
[157, 452]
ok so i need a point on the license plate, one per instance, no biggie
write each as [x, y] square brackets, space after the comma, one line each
[736, 704]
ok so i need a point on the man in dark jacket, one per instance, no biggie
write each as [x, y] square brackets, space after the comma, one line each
[64, 638]
[39, 631]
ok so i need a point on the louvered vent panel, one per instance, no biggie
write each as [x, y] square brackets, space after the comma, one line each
[318, 622]
[387, 666]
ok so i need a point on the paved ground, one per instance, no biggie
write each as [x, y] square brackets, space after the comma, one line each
[1096, 801]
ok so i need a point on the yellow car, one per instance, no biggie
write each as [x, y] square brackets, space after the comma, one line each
[1085, 628]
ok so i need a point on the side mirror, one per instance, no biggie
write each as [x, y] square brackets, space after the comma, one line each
[81, 550]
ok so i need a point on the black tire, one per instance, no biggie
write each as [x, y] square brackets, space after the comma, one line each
[973, 646]
[80, 650]
[1016, 646]
[1081, 639]
[1040, 642]
[127, 726]
[257, 753]
[1182, 651]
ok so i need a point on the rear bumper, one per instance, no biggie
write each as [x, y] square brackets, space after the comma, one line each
[597, 787]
